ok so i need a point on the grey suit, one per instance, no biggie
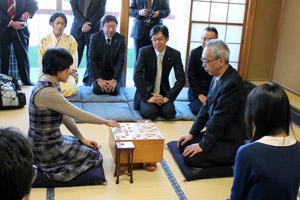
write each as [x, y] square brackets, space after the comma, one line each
[19, 38]
[145, 76]
[223, 116]
[95, 12]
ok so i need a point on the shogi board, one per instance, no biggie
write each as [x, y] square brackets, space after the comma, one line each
[148, 142]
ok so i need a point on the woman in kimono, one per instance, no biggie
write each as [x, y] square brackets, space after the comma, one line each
[60, 157]
[57, 38]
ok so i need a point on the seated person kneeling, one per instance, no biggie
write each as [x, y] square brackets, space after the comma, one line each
[107, 55]
[268, 166]
[153, 93]
[222, 114]
[57, 38]
[60, 157]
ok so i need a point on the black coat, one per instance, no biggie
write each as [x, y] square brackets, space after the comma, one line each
[95, 12]
[199, 79]
[139, 21]
[223, 116]
[22, 6]
[97, 55]
[145, 74]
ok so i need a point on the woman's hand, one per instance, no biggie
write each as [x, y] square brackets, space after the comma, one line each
[90, 143]
[112, 123]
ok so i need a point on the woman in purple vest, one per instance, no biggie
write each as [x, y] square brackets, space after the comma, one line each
[268, 166]
[60, 157]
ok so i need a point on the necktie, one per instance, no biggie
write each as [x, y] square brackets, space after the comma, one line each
[10, 8]
[158, 74]
[148, 3]
[215, 83]
[148, 6]
[86, 5]
[107, 43]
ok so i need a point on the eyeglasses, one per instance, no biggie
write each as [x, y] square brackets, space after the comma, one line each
[35, 170]
[157, 39]
[205, 61]
[110, 27]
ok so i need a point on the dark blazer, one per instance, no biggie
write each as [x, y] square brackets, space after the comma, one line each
[199, 80]
[95, 12]
[145, 74]
[139, 21]
[97, 55]
[223, 116]
[22, 6]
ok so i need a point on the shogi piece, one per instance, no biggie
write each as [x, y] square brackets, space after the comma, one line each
[148, 142]
[124, 147]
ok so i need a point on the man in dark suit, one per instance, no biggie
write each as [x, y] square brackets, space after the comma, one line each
[199, 79]
[87, 16]
[153, 93]
[222, 113]
[144, 20]
[13, 29]
[107, 57]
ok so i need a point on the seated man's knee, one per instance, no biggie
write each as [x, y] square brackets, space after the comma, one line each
[116, 90]
[188, 161]
[96, 88]
[149, 112]
[181, 147]
[168, 111]
[195, 106]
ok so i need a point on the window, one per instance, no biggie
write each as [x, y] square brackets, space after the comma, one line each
[227, 16]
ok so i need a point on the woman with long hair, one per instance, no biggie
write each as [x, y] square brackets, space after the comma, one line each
[268, 167]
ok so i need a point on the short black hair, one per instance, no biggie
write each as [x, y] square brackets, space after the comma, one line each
[16, 161]
[56, 15]
[160, 28]
[108, 18]
[55, 60]
[267, 111]
[212, 29]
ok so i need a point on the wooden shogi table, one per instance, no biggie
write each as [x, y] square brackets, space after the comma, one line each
[148, 142]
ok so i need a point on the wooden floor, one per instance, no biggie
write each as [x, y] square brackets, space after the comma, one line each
[147, 185]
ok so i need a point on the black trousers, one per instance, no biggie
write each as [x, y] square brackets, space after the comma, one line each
[82, 42]
[144, 41]
[97, 89]
[195, 106]
[151, 110]
[20, 42]
[199, 160]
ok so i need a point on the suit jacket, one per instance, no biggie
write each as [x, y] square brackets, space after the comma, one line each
[139, 21]
[95, 12]
[22, 6]
[199, 79]
[223, 116]
[97, 55]
[145, 74]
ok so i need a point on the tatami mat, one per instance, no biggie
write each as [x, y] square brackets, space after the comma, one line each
[147, 185]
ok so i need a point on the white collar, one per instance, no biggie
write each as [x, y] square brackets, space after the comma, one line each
[218, 78]
[107, 38]
[277, 141]
[157, 52]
